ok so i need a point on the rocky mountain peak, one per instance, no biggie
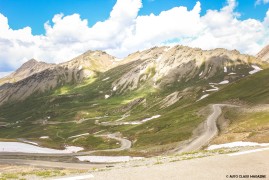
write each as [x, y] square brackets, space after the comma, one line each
[264, 54]
[31, 61]
[92, 60]
[27, 69]
[30, 64]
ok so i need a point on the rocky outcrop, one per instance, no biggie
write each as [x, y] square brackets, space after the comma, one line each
[164, 66]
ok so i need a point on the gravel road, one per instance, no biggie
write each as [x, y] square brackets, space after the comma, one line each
[210, 130]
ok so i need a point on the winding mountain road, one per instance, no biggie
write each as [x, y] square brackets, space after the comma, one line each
[125, 144]
[210, 130]
[21, 158]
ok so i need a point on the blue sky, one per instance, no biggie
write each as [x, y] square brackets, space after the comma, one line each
[35, 13]
[55, 31]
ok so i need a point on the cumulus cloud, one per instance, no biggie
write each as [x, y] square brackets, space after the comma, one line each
[125, 32]
[223, 29]
[153, 29]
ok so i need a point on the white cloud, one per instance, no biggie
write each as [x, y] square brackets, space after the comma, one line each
[223, 29]
[125, 32]
[155, 29]
[3, 74]
[258, 2]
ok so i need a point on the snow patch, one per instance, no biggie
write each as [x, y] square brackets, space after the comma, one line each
[80, 67]
[28, 148]
[106, 96]
[115, 88]
[106, 79]
[224, 82]
[153, 117]
[236, 144]
[204, 96]
[132, 123]
[209, 69]
[214, 88]
[201, 74]
[44, 137]
[232, 73]
[256, 69]
[225, 69]
[107, 159]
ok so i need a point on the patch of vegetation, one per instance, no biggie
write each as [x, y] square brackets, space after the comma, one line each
[9, 176]
[253, 126]
[35, 173]
[151, 71]
[48, 173]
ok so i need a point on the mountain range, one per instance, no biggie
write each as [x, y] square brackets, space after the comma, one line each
[156, 98]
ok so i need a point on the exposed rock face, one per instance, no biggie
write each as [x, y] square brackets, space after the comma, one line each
[158, 67]
[170, 99]
[35, 76]
[264, 54]
[162, 66]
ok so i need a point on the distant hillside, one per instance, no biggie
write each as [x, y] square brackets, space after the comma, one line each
[264, 54]
[159, 67]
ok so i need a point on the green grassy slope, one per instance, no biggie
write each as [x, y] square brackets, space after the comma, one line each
[253, 89]
[67, 106]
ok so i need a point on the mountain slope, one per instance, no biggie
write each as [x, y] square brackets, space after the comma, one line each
[158, 67]
[250, 122]
[166, 66]
[264, 54]
[36, 77]
[154, 97]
